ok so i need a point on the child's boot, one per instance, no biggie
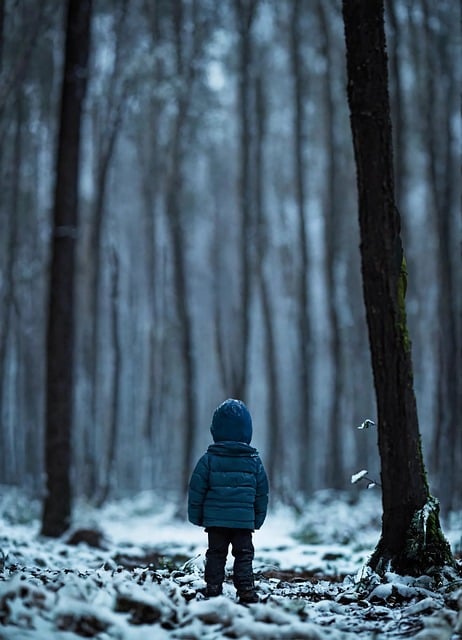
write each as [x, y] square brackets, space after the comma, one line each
[213, 590]
[248, 596]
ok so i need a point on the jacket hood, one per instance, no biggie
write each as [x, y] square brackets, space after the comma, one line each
[231, 422]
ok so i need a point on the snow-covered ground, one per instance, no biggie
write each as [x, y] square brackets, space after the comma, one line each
[143, 580]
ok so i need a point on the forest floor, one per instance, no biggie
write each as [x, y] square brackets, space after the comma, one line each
[139, 574]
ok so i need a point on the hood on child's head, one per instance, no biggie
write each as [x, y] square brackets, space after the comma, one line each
[231, 421]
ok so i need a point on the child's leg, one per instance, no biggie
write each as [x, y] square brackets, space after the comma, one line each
[243, 552]
[214, 575]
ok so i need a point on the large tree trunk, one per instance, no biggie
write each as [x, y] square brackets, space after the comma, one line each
[60, 333]
[412, 541]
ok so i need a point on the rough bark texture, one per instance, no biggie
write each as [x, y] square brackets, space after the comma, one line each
[406, 545]
[60, 334]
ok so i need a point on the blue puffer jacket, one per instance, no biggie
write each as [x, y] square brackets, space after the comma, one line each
[229, 486]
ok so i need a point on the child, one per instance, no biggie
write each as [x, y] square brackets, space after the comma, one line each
[228, 494]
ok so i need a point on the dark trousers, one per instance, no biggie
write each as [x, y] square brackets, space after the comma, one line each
[242, 549]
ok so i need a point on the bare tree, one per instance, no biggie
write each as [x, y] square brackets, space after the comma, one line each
[304, 320]
[15, 74]
[274, 422]
[109, 455]
[107, 115]
[245, 14]
[24, 33]
[397, 104]
[164, 151]
[441, 104]
[332, 239]
[9, 298]
[2, 23]
[152, 161]
[412, 541]
[186, 59]
[60, 333]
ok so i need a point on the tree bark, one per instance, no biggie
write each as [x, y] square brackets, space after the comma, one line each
[332, 232]
[152, 161]
[440, 143]
[304, 321]
[108, 463]
[275, 436]
[397, 105]
[186, 70]
[412, 541]
[2, 23]
[181, 296]
[10, 303]
[60, 331]
[107, 120]
[245, 14]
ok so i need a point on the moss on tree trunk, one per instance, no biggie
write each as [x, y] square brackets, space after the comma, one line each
[424, 549]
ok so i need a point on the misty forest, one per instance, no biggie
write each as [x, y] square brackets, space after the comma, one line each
[217, 252]
[251, 199]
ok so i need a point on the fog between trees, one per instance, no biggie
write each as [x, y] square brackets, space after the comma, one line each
[218, 244]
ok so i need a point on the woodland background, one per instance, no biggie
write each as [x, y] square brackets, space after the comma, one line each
[218, 244]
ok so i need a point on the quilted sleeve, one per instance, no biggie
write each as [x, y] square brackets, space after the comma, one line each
[261, 497]
[198, 486]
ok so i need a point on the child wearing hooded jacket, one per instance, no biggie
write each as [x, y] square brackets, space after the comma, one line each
[228, 495]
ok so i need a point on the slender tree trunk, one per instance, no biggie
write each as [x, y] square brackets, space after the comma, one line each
[245, 15]
[332, 229]
[440, 142]
[182, 303]
[2, 23]
[412, 541]
[14, 315]
[11, 95]
[397, 104]
[153, 177]
[186, 69]
[60, 334]
[224, 367]
[149, 215]
[275, 439]
[225, 298]
[9, 301]
[110, 453]
[106, 130]
[304, 321]
[9, 81]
